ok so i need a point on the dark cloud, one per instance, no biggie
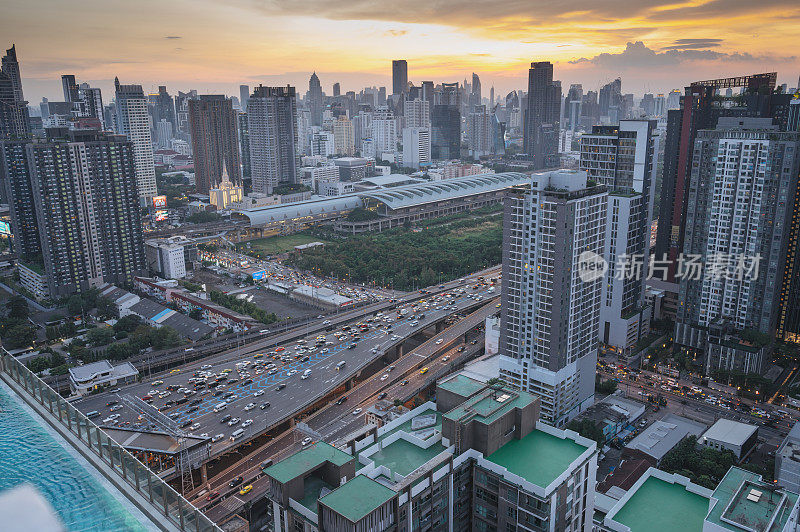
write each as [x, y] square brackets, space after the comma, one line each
[638, 55]
[693, 44]
[173, 37]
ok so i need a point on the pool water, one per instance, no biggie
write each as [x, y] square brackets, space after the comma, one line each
[30, 454]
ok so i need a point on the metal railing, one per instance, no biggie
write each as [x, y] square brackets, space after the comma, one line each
[161, 496]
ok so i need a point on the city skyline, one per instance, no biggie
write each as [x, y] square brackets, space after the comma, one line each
[216, 48]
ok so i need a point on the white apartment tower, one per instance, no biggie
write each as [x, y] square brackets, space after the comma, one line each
[384, 131]
[417, 113]
[133, 120]
[550, 308]
[416, 147]
[622, 157]
[343, 140]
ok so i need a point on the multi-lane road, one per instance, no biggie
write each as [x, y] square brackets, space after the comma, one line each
[267, 381]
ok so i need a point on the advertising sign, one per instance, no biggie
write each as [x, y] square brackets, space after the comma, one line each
[159, 202]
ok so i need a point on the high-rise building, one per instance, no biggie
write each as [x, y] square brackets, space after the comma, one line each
[182, 111]
[244, 95]
[699, 109]
[417, 113]
[416, 147]
[70, 87]
[87, 101]
[272, 125]
[573, 103]
[384, 131]
[163, 134]
[343, 139]
[476, 94]
[13, 107]
[215, 146]
[315, 100]
[162, 106]
[610, 101]
[399, 76]
[337, 89]
[541, 130]
[622, 158]
[479, 132]
[133, 121]
[739, 212]
[554, 230]
[244, 143]
[445, 132]
[74, 200]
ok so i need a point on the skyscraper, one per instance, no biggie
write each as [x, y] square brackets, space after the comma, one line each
[479, 132]
[622, 158]
[182, 111]
[550, 309]
[13, 107]
[76, 206]
[476, 95]
[610, 101]
[315, 100]
[399, 76]
[417, 113]
[337, 89]
[541, 129]
[740, 204]
[343, 141]
[384, 131]
[272, 126]
[416, 147]
[212, 123]
[87, 102]
[573, 110]
[162, 106]
[244, 95]
[70, 87]
[699, 110]
[133, 121]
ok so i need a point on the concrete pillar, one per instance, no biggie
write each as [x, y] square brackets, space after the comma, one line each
[204, 474]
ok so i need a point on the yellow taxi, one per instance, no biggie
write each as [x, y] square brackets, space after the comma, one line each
[423, 371]
[246, 489]
[174, 371]
[258, 355]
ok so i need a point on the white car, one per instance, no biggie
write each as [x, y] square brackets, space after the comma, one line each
[384, 376]
[233, 421]
[259, 393]
[195, 426]
[206, 366]
[247, 423]
[291, 372]
[445, 358]
[217, 437]
[115, 408]
[113, 416]
[324, 350]
[250, 406]
[305, 442]
[357, 411]
[439, 341]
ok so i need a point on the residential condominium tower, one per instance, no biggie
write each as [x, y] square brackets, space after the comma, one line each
[13, 107]
[272, 127]
[213, 127]
[552, 229]
[740, 203]
[622, 157]
[541, 127]
[133, 121]
[75, 202]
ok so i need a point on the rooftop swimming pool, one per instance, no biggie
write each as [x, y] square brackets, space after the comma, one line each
[32, 453]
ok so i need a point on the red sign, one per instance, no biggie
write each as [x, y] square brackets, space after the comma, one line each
[159, 202]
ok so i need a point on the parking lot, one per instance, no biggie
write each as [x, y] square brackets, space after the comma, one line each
[249, 383]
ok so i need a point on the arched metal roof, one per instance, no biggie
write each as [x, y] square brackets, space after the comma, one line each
[298, 211]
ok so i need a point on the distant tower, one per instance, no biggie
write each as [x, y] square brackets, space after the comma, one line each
[399, 76]
[315, 99]
[13, 107]
[337, 90]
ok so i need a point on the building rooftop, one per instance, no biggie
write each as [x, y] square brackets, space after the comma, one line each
[489, 405]
[404, 457]
[314, 488]
[741, 502]
[391, 180]
[661, 506]
[461, 385]
[93, 370]
[729, 431]
[357, 498]
[539, 457]
[306, 460]
[657, 439]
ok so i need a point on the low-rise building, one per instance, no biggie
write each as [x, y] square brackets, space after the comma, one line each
[100, 374]
[33, 279]
[661, 437]
[614, 413]
[734, 436]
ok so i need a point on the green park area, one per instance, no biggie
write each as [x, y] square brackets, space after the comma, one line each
[275, 245]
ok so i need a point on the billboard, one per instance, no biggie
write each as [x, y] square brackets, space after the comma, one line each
[259, 275]
[159, 202]
[160, 216]
[5, 228]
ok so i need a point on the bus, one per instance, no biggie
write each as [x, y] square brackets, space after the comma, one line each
[238, 433]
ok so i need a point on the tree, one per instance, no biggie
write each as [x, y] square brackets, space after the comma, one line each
[19, 336]
[75, 305]
[118, 351]
[17, 307]
[127, 323]
[100, 336]
[588, 429]
[38, 364]
[106, 308]
[196, 313]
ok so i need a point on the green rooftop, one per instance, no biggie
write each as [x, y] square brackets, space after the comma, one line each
[312, 486]
[539, 457]
[306, 460]
[357, 498]
[406, 425]
[490, 404]
[461, 385]
[734, 505]
[659, 506]
[403, 457]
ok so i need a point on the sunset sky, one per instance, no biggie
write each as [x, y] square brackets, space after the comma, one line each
[213, 46]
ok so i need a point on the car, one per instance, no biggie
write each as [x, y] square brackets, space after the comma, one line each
[174, 371]
[357, 411]
[341, 400]
[446, 358]
[381, 395]
[206, 366]
[235, 482]
[115, 408]
[280, 387]
[250, 406]
[195, 426]
[158, 383]
[233, 421]
[306, 441]
[247, 423]
[265, 405]
[217, 437]
[423, 371]
[384, 376]
[211, 496]
[259, 393]
[245, 490]
[404, 382]
[279, 349]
